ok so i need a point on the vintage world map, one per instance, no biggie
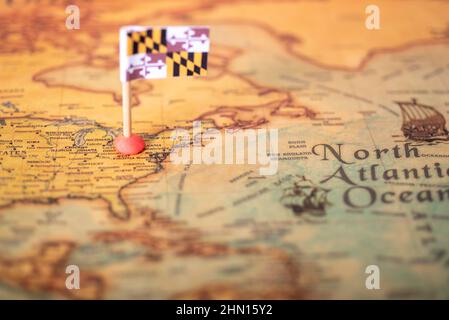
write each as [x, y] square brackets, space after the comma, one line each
[363, 173]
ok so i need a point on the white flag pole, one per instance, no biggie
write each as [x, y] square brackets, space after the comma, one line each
[127, 143]
[126, 85]
[126, 106]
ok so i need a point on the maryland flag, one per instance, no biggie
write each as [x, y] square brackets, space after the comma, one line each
[161, 52]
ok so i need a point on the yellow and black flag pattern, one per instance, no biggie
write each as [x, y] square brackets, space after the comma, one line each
[147, 41]
[185, 63]
[161, 52]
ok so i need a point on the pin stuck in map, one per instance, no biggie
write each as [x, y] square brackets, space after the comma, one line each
[129, 145]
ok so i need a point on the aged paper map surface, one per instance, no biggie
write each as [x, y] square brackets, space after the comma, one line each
[363, 173]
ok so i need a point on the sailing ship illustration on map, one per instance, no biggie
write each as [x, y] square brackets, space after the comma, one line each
[421, 122]
[304, 197]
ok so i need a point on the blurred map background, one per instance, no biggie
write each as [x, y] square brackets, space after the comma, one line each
[143, 228]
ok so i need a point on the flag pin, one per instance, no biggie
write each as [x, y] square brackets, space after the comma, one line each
[146, 53]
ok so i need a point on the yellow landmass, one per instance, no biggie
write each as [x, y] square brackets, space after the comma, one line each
[45, 270]
[43, 160]
[333, 32]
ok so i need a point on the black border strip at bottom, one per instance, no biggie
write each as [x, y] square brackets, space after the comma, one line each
[221, 309]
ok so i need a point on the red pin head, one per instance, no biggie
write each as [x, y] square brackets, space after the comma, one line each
[133, 144]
